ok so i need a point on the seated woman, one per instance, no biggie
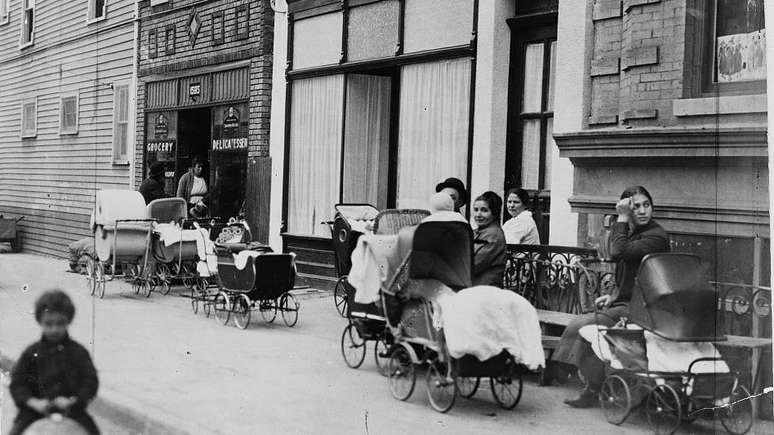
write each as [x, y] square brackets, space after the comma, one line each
[634, 235]
[520, 229]
[488, 241]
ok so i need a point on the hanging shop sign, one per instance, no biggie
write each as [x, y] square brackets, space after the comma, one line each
[229, 144]
[231, 122]
[161, 129]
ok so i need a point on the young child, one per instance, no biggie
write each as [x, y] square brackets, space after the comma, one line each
[54, 374]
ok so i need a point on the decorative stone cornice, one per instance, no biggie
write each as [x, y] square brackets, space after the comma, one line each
[619, 143]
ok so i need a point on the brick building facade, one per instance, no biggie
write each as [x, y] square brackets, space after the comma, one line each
[204, 91]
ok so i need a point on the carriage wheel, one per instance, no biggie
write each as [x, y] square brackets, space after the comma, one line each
[206, 304]
[194, 302]
[401, 373]
[353, 347]
[147, 287]
[268, 310]
[202, 283]
[91, 283]
[188, 280]
[737, 418]
[467, 387]
[289, 307]
[99, 279]
[340, 296]
[663, 409]
[222, 307]
[615, 397]
[441, 389]
[164, 276]
[381, 355]
[242, 307]
[506, 390]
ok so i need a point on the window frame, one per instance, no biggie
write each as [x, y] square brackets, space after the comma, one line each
[117, 158]
[27, 5]
[28, 134]
[5, 4]
[708, 86]
[64, 131]
[90, 17]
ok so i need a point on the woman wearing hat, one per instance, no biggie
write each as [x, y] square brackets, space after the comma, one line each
[153, 187]
[456, 189]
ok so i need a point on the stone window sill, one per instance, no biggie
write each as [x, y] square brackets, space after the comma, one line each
[725, 105]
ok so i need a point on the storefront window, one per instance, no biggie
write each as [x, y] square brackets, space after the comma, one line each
[228, 159]
[434, 113]
[161, 144]
[740, 41]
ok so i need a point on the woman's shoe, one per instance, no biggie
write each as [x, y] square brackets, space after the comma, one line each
[587, 399]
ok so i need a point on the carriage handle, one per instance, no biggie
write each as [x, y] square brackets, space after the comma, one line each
[690, 366]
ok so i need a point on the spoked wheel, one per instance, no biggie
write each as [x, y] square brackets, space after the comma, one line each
[268, 310]
[506, 391]
[222, 307]
[206, 304]
[737, 417]
[202, 283]
[381, 355]
[163, 277]
[289, 308]
[147, 287]
[99, 279]
[467, 387]
[242, 307]
[353, 347]
[91, 283]
[615, 398]
[401, 373]
[187, 279]
[663, 409]
[340, 296]
[194, 301]
[441, 389]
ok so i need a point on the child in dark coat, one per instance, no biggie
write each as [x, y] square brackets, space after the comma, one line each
[54, 374]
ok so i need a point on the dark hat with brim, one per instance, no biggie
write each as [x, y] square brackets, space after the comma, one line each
[456, 184]
[156, 169]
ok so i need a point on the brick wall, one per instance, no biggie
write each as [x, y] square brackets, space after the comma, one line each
[637, 64]
[208, 49]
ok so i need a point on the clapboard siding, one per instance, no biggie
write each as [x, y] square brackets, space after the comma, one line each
[51, 179]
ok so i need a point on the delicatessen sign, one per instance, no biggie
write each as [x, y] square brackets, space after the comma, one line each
[229, 144]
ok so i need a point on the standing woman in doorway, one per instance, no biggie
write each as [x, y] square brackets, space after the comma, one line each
[520, 229]
[193, 188]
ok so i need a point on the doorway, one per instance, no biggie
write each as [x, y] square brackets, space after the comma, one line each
[193, 138]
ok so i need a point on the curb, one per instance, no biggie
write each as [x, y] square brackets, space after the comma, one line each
[134, 422]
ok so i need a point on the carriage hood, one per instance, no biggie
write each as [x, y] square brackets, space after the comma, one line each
[167, 210]
[675, 300]
[111, 205]
[443, 251]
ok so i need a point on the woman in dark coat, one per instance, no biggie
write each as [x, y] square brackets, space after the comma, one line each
[633, 236]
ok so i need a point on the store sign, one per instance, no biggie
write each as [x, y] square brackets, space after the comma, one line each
[231, 121]
[164, 146]
[161, 129]
[194, 89]
[230, 144]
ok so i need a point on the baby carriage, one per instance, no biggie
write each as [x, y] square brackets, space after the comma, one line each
[122, 237]
[350, 222]
[251, 276]
[175, 250]
[664, 356]
[439, 251]
[366, 321]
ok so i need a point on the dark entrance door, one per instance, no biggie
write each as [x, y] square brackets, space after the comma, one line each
[530, 116]
[194, 134]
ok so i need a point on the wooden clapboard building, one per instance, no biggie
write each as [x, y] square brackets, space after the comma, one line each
[66, 121]
[204, 88]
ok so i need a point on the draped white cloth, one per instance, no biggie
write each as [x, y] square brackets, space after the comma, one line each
[433, 120]
[366, 140]
[315, 153]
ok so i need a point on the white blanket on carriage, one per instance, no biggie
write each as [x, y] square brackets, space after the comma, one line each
[663, 355]
[170, 234]
[484, 320]
[373, 260]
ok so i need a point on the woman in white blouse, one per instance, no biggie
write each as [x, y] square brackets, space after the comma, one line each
[520, 229]
[193, 188]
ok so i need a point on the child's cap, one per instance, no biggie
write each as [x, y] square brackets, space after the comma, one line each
[441, 202]
[54, 301]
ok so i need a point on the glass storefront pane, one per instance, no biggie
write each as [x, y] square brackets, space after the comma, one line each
[530, 153]
[433, 136]
[551, 79]
[550, 150]
[317, 40]
[315, 153]
[533, 78]
[373, 30]
[431, 24]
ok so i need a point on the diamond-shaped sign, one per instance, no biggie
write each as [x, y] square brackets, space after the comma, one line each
[194, 25]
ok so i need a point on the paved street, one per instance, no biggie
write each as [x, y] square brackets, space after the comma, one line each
[158, 359]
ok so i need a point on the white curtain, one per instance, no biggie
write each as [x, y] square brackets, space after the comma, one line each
[315, 153]
[367, 140]
[433, 124]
